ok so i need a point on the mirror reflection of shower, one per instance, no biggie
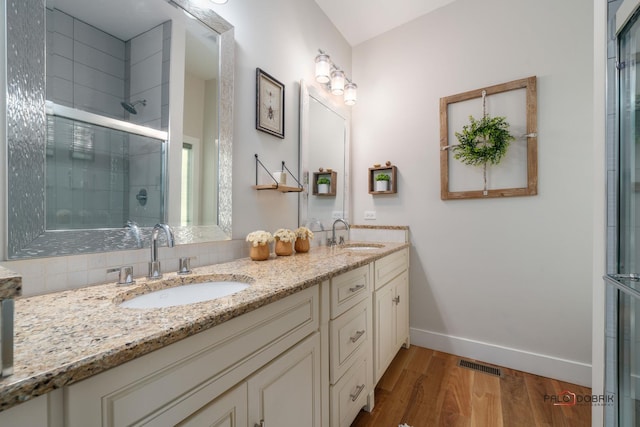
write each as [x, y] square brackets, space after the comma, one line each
[131, 106]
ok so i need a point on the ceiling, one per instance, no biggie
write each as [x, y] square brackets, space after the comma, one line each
[361, 20]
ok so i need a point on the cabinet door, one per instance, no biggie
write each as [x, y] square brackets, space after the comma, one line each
[402, 309]
[229, 410]
[384, 329]
[286, 393]
[28, 414]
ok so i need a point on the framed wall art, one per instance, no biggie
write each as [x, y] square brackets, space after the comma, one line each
[269, 104]
[494, 154]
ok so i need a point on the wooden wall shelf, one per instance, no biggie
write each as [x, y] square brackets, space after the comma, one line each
[333, 177]
[280, 188]
[392, 171]
[276, 186]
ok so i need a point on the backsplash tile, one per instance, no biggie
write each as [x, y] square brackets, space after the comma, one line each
[54, 274]
[47, 275]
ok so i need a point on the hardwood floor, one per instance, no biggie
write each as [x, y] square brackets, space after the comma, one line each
[426, 388]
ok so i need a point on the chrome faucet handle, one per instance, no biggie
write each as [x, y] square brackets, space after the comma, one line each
[155, 270]
[125, 274]
[185, 265]
[341, 241]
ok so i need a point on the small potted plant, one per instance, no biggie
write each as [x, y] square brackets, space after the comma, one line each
[382, 182]
[284, 241]
[303, 239]
[260, 239]
[323, 185]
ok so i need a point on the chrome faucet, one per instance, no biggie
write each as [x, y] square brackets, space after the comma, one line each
[332, 242]
[155, 271]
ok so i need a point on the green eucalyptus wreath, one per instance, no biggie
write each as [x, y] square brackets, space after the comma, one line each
[483, 141]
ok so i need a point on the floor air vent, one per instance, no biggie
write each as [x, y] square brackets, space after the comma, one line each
[490, 370]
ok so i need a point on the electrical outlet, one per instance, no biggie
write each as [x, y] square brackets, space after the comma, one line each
[336, 214]
[369, 214]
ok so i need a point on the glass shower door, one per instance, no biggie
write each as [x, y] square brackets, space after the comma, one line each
[628, 304]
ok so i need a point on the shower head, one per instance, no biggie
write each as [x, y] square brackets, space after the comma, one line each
[131, 106]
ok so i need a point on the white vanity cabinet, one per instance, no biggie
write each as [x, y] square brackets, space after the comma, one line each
[350, 328]
[228, 410]
[390, 309]
[310, 359]
[271, 352]
[287, 391]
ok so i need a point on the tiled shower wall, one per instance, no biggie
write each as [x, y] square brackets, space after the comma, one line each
[85, 66]
[147, 60]
[611, 311]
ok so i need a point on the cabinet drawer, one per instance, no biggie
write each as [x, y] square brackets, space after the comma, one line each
[389, 267]
[349, 289]
[349, 333]
[349, 395]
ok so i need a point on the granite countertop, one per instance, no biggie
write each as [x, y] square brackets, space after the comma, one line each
[10, 284]
[64, 337]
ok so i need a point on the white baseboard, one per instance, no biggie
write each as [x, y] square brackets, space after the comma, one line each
[534, 363]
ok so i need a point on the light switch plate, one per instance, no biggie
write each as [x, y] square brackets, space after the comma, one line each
[369, 214]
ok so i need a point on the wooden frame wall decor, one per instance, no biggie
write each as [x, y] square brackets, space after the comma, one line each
[269, 104]
[392, 171]
[333, 178]
[529, 84]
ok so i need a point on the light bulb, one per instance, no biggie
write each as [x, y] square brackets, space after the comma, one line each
[323, 68]
[337, 82]
[350, 95]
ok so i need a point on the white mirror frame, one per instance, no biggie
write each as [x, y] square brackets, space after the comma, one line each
[308, 91]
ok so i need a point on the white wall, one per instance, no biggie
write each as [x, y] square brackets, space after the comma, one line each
[281, 37]
[507, 281]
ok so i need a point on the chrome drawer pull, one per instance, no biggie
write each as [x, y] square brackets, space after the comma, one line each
[357, 336]
[355, 395]
[259, 425]
[356, 288]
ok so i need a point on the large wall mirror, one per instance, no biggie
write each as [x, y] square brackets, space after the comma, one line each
[119, 116]
[324, 144]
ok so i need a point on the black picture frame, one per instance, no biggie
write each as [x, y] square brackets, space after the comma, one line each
[269, 104]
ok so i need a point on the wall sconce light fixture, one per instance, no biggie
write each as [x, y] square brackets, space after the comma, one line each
[329, 74]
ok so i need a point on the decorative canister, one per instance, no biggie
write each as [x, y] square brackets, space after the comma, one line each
[283, 248]
[260, 252]
[303, 239]
[284, 241]
[302, 245]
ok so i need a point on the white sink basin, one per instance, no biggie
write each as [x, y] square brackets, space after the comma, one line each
[362, 247]
[186, 294]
